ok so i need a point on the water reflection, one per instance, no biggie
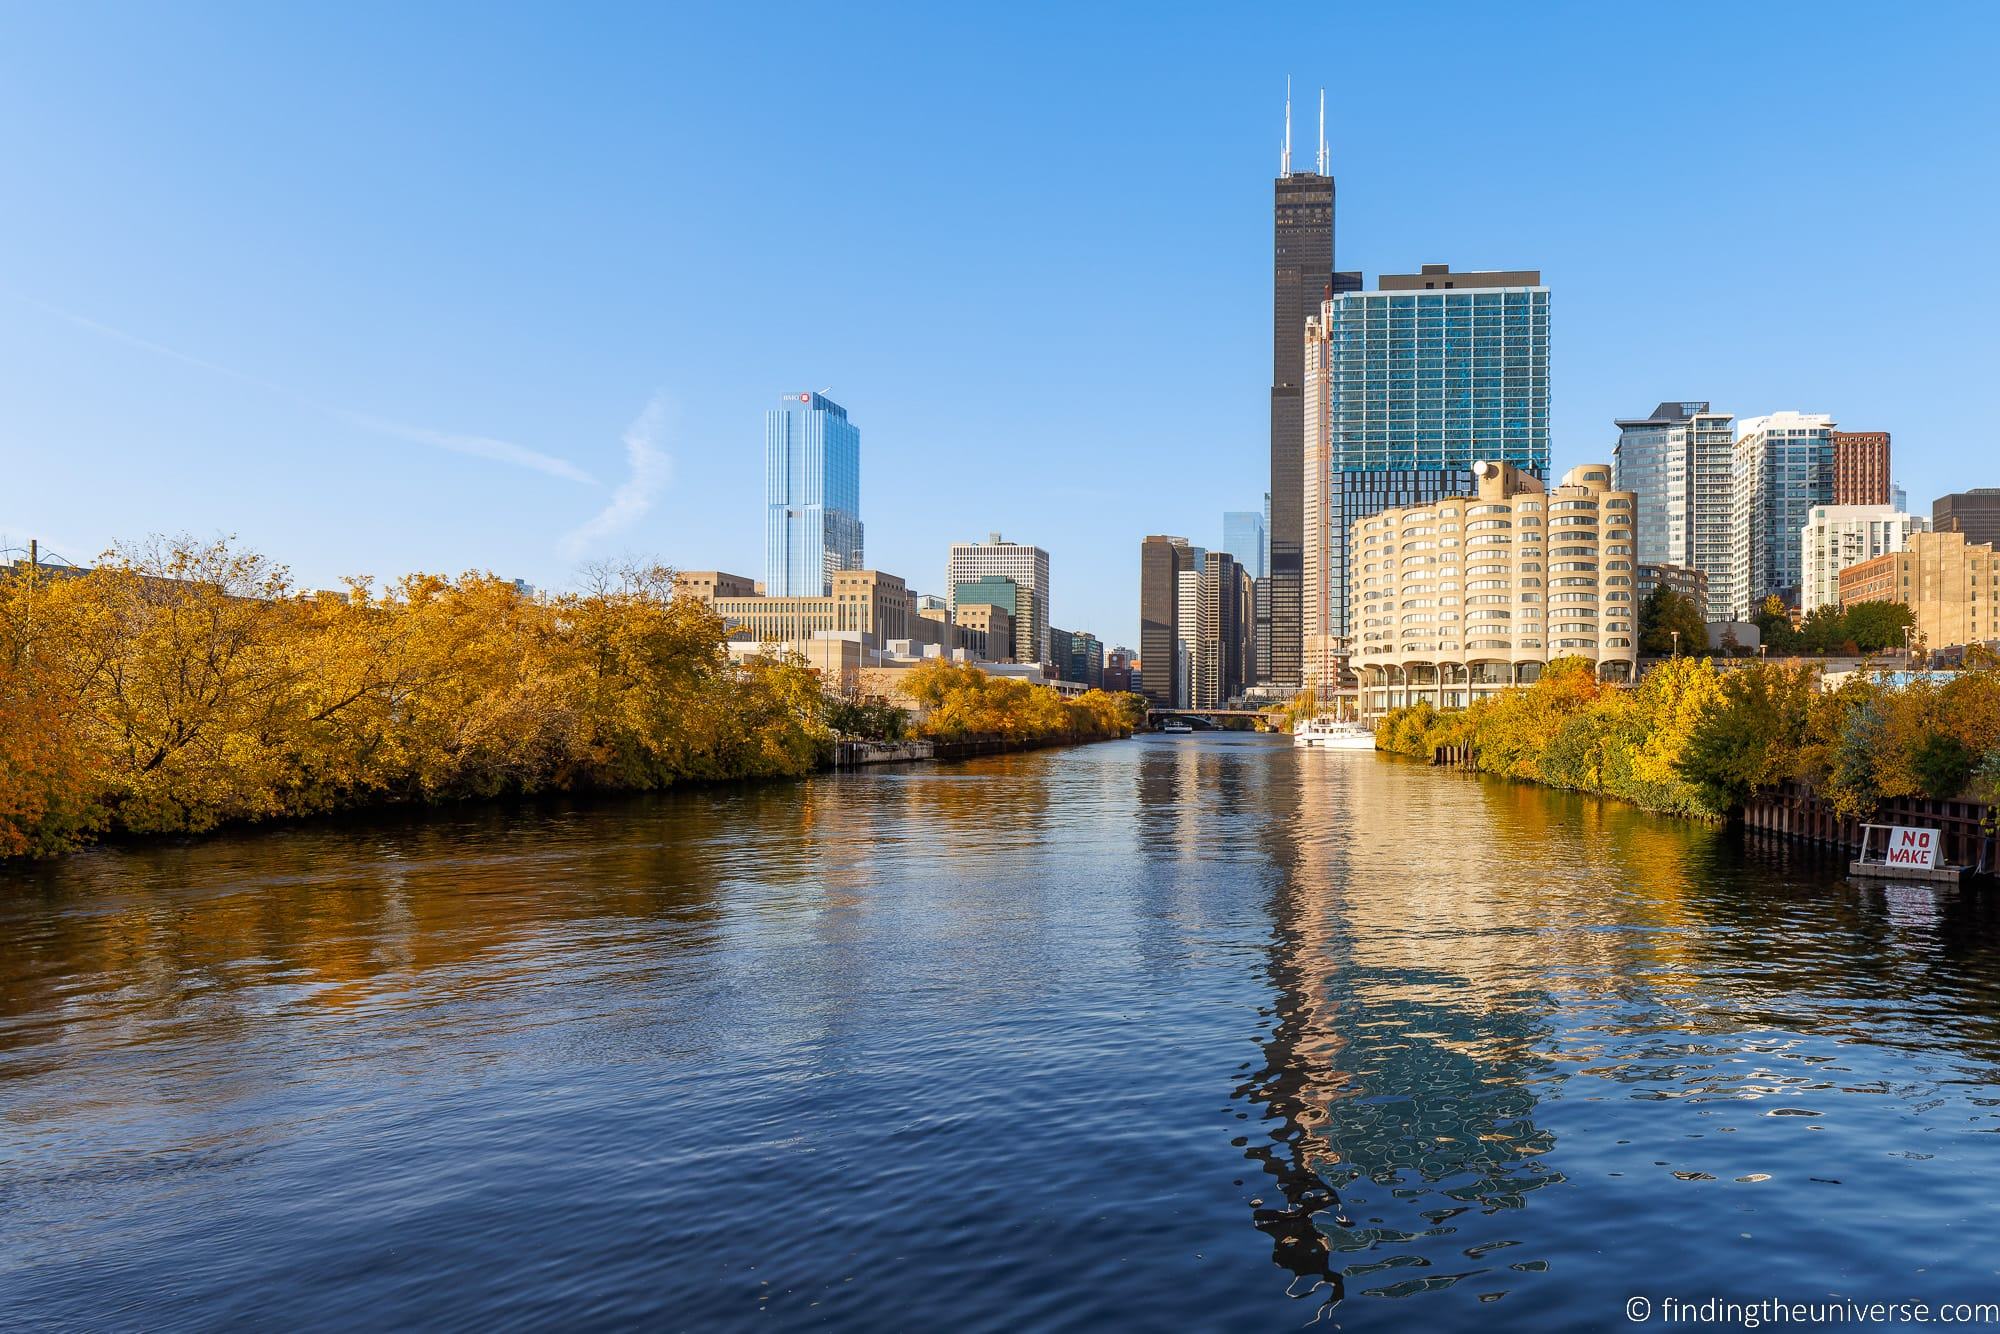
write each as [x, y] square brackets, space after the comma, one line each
[1153, 1033]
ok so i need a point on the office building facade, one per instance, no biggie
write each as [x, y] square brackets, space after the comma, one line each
[1784, 467]
[1079, 657]
[812, 496]
[989, 628]
[1243, 536]
[1118, 672]
[1861, 468]
[1950, 585]
[1976, 513]
[708, 585]
[1690, 584]
[1026, 566]
[1019, 602]
[875, 605]
[1302, 277]
[1837, 536]
[1680, 463]
[1187, 631]
[1407, 386]
[1461, 598]
[1224, 635]
[1162, 560]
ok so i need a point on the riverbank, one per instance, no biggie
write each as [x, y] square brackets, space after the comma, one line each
[182, 688]
[1210, 970]
[1704, 744]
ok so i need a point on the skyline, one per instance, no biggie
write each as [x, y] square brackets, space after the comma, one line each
[392, 308]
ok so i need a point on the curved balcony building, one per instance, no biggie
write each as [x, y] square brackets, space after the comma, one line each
[1463, 597]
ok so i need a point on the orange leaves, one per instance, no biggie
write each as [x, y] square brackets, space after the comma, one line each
[962, 701]
[46, 801]
[180, 686]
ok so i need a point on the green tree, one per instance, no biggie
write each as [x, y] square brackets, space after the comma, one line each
[1943, 765]
[1665, 611]
[1774, 626]
[1824, 630]
[1874, 626]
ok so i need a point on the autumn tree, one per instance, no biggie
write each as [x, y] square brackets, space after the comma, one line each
[1750, 738]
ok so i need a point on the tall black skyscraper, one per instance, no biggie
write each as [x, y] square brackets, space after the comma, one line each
[1304, 274]
[1162, 561]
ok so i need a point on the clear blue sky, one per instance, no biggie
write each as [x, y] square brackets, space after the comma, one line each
[388, 287]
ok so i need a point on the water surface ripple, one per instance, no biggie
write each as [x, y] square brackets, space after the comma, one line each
[1168, 1033]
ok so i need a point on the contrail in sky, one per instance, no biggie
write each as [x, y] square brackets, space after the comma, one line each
[651, 469]
[478, 446]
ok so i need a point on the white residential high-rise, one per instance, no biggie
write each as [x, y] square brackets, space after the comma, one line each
[1026, 566]
[1837, 536]
[1679, 462]
[1187, 621]
[1784, 467]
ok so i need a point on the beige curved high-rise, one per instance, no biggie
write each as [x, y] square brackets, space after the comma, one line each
[1464, 597]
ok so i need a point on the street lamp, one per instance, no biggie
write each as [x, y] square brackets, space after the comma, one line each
[1677, 642]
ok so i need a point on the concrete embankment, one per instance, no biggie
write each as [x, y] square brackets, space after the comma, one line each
[855, 754]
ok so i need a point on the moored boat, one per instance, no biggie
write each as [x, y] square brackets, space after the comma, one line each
[1329, 733]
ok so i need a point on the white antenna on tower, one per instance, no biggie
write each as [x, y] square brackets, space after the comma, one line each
[1322, 132]
[1285, 162]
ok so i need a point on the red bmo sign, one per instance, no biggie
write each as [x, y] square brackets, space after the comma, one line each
[1913, 847]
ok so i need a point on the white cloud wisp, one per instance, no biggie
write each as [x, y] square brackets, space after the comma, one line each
[650, 469]
[477, 446]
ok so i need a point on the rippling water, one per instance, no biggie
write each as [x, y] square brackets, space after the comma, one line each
[1165, 1033]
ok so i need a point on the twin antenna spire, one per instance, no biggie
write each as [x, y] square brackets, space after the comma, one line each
[1285, 160]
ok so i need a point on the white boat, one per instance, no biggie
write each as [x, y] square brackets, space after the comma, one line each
[1329, 733]
[1175, 725]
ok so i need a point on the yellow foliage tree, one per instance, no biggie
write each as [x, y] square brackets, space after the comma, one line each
[181, 684]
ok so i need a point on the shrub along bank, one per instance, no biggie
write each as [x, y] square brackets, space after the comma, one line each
[1695, 741]
[961, 702]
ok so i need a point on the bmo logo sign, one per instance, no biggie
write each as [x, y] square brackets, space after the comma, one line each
[1912, 847]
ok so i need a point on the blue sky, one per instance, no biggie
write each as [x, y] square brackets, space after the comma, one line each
[383, 287]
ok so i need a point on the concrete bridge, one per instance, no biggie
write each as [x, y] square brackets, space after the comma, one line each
[1213, 717]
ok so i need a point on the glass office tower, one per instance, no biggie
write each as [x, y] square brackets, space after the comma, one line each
[1243, 538]
[1407, 387]
[1784, 467]
[812, 496]
[1680, 464]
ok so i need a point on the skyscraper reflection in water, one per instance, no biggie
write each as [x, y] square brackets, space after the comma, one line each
[1394, 1114]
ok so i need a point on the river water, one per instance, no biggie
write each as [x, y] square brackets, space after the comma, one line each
[1170, 1033]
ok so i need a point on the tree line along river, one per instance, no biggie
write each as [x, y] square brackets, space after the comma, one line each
[1161, 1033]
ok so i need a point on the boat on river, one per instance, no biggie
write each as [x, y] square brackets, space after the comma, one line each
[1329, 733]
[1176, 726]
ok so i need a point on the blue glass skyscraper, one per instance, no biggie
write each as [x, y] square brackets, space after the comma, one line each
[812, 496]
[1407, 387]
[1243, 537]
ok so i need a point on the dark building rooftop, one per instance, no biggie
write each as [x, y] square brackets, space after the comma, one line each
[1976, 513]
[1440, 276]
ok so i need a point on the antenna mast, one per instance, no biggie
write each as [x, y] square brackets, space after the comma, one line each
[1322, 133]
[1285, 162]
